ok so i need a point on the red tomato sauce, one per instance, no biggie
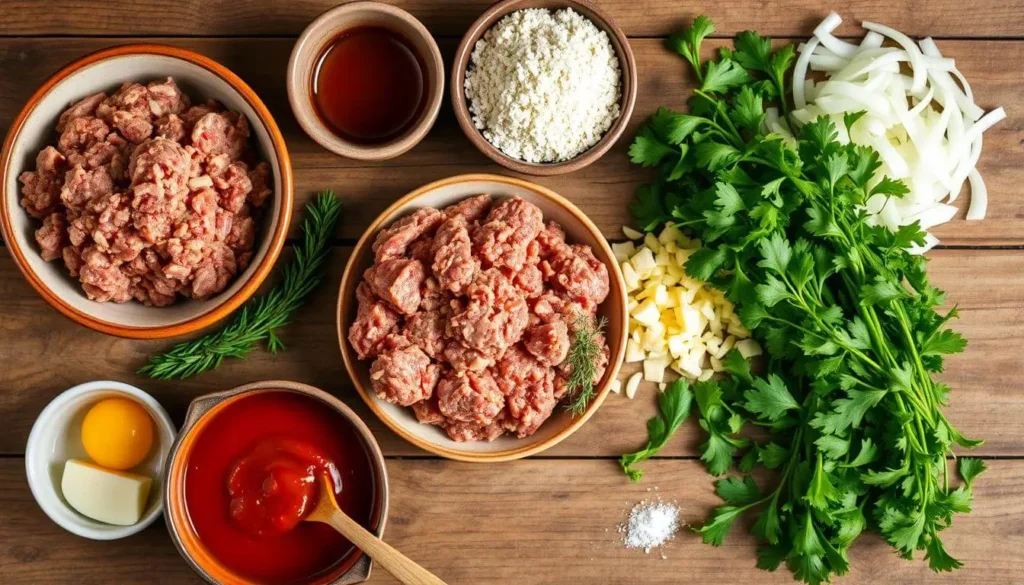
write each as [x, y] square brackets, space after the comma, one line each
[255, 471]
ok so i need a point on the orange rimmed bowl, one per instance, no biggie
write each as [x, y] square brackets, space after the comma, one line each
[579, 230]
[352, 568]
[199, 77]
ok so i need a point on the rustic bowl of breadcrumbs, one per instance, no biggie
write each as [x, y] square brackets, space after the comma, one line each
[543, 87]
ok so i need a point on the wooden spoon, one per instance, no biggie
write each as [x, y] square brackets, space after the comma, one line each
[400, 566]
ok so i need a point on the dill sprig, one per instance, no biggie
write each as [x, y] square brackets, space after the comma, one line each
[262, 316]
[583, 360]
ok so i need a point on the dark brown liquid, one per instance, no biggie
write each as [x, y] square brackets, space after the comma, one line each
[368, 85]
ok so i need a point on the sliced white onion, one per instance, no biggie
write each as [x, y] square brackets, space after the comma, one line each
[979, 196]
[800, 72]
[925, 124]
[823, 33]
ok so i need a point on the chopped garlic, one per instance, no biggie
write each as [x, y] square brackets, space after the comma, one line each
[676, 323]
[632, 384]
[632, 233]
[616, 386]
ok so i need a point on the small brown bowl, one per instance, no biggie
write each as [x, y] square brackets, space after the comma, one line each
[627, 66]
[579, 230]
[309, 48]
[353, 569]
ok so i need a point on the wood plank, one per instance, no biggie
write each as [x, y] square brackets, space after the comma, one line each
[602, 190]
[987, 18]
[988, 287]
[533, 522]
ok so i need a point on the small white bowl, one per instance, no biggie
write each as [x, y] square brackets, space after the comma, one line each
[55, 438]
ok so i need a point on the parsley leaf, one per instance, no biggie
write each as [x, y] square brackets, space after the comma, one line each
[674, 407]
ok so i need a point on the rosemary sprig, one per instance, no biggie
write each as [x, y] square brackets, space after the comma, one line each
[582, 360]
[261, 316]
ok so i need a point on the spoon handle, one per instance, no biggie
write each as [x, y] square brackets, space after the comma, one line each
[400, 566]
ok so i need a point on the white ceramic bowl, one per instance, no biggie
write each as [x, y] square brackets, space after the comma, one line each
[579, 230]
[55, 438]
[201, 79]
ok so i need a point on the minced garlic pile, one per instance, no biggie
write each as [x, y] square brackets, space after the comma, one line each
[543, 86]
[675, 321]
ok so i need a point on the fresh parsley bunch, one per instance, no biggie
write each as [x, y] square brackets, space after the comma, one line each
[851, 415]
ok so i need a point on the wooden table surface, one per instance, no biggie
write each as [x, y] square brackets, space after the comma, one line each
[550, 519]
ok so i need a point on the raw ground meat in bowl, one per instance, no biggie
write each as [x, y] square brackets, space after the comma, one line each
[146, 191]
[456, 312]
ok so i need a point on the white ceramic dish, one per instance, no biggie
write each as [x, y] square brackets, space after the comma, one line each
[201, 79]
[55, 438]
[579, 230]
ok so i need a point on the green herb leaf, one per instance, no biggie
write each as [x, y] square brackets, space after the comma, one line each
[971, 468]
[736, 491]
[674, 406]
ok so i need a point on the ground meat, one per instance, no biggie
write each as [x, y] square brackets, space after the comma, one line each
[41, 189]
[221, 133]
[375, 320]
[404, 374]
[141, 214]
[471, 397]
[52, 237]
[395, 240]
[398, 282]
[503, 238]
[494, 318]
[490, 296]
[529, 391]
[425, 329]
[471, 208]
[464, 432]
[82, 109]
[427, 412]
[582, 276]
[453, 261]
[463, 358]
[548, 342]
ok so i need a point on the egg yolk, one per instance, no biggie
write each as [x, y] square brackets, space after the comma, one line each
[117, 433]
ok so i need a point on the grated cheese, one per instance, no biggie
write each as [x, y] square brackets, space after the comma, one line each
[543, 86]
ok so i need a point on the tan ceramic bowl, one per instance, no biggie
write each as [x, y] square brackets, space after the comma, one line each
[578, 228]
[327, 27]
[353, 569]
[33, 129]
[627, 66]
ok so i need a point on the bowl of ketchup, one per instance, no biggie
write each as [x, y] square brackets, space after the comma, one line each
[245, 472]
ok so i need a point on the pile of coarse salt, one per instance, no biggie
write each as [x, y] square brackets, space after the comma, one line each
[650, 525]
[543, 86]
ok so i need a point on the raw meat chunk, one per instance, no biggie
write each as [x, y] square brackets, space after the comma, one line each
[221, 133]
[464, 432]
[471, 397]
[395, 240]
[425, 329]
[503, 238]
[403, 375]
[375, 320]
[582, 276]
[548, 342]
[495, 316]
[397, 281]
[453, 263]
[470, 208]
[529, 392]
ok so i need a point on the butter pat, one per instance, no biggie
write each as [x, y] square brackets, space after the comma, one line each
[114, 497]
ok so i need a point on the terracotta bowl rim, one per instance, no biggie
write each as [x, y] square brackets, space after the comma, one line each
[350, 279]
[277, 238]
[627, 67]
[197, 412]
[319, 132]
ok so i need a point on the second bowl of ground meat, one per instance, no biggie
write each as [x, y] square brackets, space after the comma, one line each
[458, 309]
[146, 191]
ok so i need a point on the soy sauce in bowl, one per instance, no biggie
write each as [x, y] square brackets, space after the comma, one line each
[369, 85]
